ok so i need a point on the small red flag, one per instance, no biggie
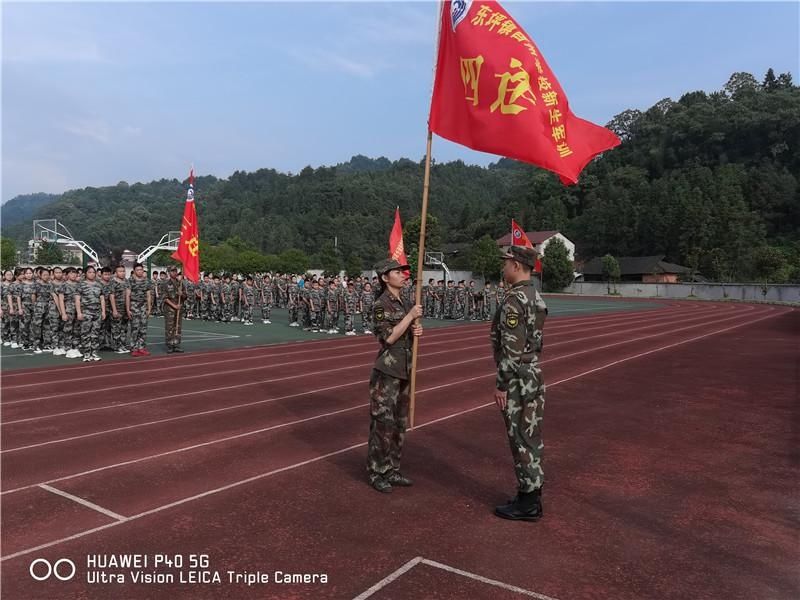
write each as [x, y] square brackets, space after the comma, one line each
[494, 92]
[518, 237]
[188, 251]
[396, 248]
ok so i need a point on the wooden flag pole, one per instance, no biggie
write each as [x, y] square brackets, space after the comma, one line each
[420, 266]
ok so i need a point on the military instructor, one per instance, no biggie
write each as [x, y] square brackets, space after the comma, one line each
[173, 294]
[516, 336]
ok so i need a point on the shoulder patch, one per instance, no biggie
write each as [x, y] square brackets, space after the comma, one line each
[512, 320]
[379, 313]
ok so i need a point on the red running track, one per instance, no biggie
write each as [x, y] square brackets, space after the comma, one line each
[257, 460]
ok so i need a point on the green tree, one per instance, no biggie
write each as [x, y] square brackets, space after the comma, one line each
[49, 254]
[611, 271]
[8, 253]
[557, 271]
[771, 265]
[328, 260]
[485, 258]
[353, 266]
[293, 261]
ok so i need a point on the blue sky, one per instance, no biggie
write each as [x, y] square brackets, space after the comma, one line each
[96, 93]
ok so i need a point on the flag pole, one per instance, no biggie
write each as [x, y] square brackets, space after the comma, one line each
[420, 266]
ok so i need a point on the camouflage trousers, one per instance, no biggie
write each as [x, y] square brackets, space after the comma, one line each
[227, 312]
[331, 320]
[388, 406]
[54, 334]
[366, 320]
[172, 326]
[447, 310]
[293, 314]
[90, 330]
[349, 321]
[39, 323]
[313, 319]
[207, 309]
[71, 328]
[266, 311]
[119, 331]
[138, 326]
[247, 313]
[523, 417]
[437, 309]
[25, 321]
[5, 333]
[458, 310]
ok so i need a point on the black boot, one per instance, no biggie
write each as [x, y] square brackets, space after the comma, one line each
[526, 507]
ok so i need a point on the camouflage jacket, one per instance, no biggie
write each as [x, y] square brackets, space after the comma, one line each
[139, 289]
[90, 293]
[395, 359]
[516, 332]
[173, 291]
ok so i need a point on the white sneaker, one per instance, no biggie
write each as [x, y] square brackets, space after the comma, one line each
[37, 350]
[78, 353]
[367, 332]
[14, 345]
[6, 343]
[350, 333]
[122, 350]
[94, 356]
[87, 358]
[59, 352]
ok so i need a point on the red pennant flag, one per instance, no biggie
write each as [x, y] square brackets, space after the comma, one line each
[396, 248]
[494, 92]
[518, 237]
[188, 251]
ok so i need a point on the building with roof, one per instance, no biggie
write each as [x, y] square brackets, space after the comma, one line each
[646, 269]
[540, 239]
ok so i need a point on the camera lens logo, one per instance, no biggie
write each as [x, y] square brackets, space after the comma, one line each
[63, 569]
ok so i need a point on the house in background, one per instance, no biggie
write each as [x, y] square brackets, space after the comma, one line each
[646, 269]
[540, 239]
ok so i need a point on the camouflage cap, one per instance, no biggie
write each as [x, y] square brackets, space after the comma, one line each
[521, 254]
[387, 265]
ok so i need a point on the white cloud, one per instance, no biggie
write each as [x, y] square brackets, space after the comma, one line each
[325, 60]
[95, 129]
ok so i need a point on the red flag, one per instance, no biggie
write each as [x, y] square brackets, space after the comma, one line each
[396, 248]
[518, 237]
[188, 251]
[494, 92]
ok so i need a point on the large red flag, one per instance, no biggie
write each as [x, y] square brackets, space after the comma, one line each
[188, 251]
[494, 92]
[518, 237]
[396, 249]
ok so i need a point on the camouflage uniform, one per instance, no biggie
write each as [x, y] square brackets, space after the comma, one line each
[226, 302]
[71, 327]
[516, 336]
[54, 334]
[139, 310]
[236, 305]
[119, 325]
[267, 300]
[189, 287]
[248, 300]
[487, 302]
[176, 293]
[460, 304]
[389, 388]
[332, 308]
[314, 308]
[5, 294]
[449, 302]
[350, 308]
[27, 289]
[293, 301]
[106, 336]
[41, 308]
[90, 293]
[367, 301]
[438, 298]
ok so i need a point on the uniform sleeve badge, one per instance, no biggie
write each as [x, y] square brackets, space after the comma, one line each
[379, 313]
[512, 320]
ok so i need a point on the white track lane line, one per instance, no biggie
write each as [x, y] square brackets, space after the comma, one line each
[370, 351]
[435, 336]
[318, 342]
[83, 502]
[347, 449]
[234, 407]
